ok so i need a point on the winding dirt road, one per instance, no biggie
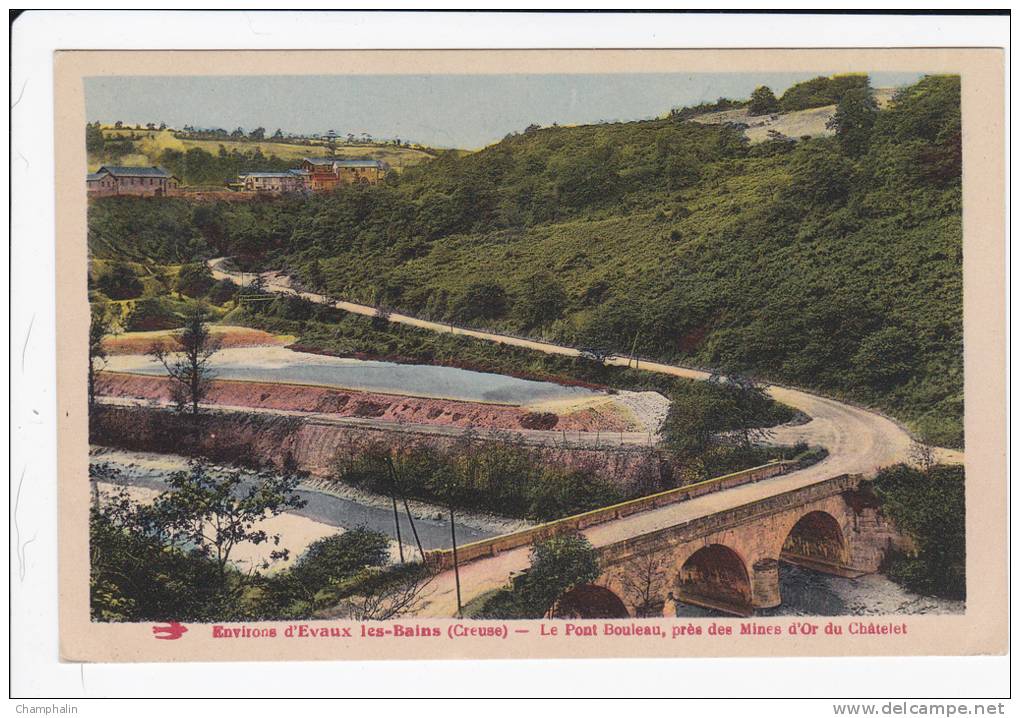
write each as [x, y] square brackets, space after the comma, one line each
[858, 441]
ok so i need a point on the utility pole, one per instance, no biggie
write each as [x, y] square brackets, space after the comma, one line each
[414, 530]
[396, 516]
[633, 351]
[407, 508]
[396, 522]
[456, 568]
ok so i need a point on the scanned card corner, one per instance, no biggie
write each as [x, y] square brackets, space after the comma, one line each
[445, 357]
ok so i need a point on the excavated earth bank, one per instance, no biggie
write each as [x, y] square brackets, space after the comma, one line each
[606, 415]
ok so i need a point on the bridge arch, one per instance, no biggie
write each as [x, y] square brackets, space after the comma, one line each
[816, 540]
[589, 601]
[715, 576]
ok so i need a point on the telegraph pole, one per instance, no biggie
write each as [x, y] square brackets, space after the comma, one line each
[456, 568]
[396, 522]
[407, 508]
[393, 497]
[633, 351]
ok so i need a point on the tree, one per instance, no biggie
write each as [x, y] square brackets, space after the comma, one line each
[763, 101]
[186, 360]
[696, 415]
[211, 515]
[750, 404]
[94, 141]
[118, 124]
[385, 595]
[334, 559]
[588, 178]
[557, 565]
[222, 292]
[855, 116]
[171, 560]
[134, 575]
[929, 506]
[542, 300]
[259, 133]
[100, 326]
[885, 359]
[644, 583]
[194, 279]
[119, 281]
[818, 175]
[278, 135]
[480, 300]
[315, 275]
[238, 133]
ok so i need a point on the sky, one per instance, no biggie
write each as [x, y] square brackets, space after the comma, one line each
[465, 111]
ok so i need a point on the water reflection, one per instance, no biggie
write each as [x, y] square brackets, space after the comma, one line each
[810, 593]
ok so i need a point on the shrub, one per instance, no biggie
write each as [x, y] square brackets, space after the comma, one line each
[151, 314]
[763, 102]
[222, 292]
[119, 281]
[929, 507]
[194, 279]
[558, 564]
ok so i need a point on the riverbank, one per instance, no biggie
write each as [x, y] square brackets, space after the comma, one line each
[148, 469]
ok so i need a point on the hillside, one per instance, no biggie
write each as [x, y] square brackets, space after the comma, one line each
[147, 147]
[832, 263]
[810, 122]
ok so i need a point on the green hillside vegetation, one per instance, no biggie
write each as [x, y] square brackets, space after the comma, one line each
[821, 91]
[831, 263]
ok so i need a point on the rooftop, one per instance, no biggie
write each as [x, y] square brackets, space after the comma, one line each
[359, 163]
[133, 171]
[267, 174]
[363, 162]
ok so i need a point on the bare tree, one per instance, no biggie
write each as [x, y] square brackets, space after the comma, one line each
[401, 593]
[644, 582]
[100, 326]
[186, 360]
[922, 455]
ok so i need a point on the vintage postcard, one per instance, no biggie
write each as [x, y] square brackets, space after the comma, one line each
[497, 354]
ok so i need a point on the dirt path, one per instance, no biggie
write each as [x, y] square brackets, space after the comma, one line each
[858, 440]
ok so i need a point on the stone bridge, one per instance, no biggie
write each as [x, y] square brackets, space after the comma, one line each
[729, 561]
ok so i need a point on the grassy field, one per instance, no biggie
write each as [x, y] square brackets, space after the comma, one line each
[150, 144]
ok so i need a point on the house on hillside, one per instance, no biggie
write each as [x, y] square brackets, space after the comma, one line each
[142, 181]
[326, 173]
[296, 180]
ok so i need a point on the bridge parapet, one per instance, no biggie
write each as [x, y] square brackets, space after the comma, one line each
[727, 519]
[443, 558]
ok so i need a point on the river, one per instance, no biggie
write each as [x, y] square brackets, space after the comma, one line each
[804, 592]
[323, 511]
[810, 593]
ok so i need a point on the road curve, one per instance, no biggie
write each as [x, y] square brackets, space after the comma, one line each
[858, 441]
